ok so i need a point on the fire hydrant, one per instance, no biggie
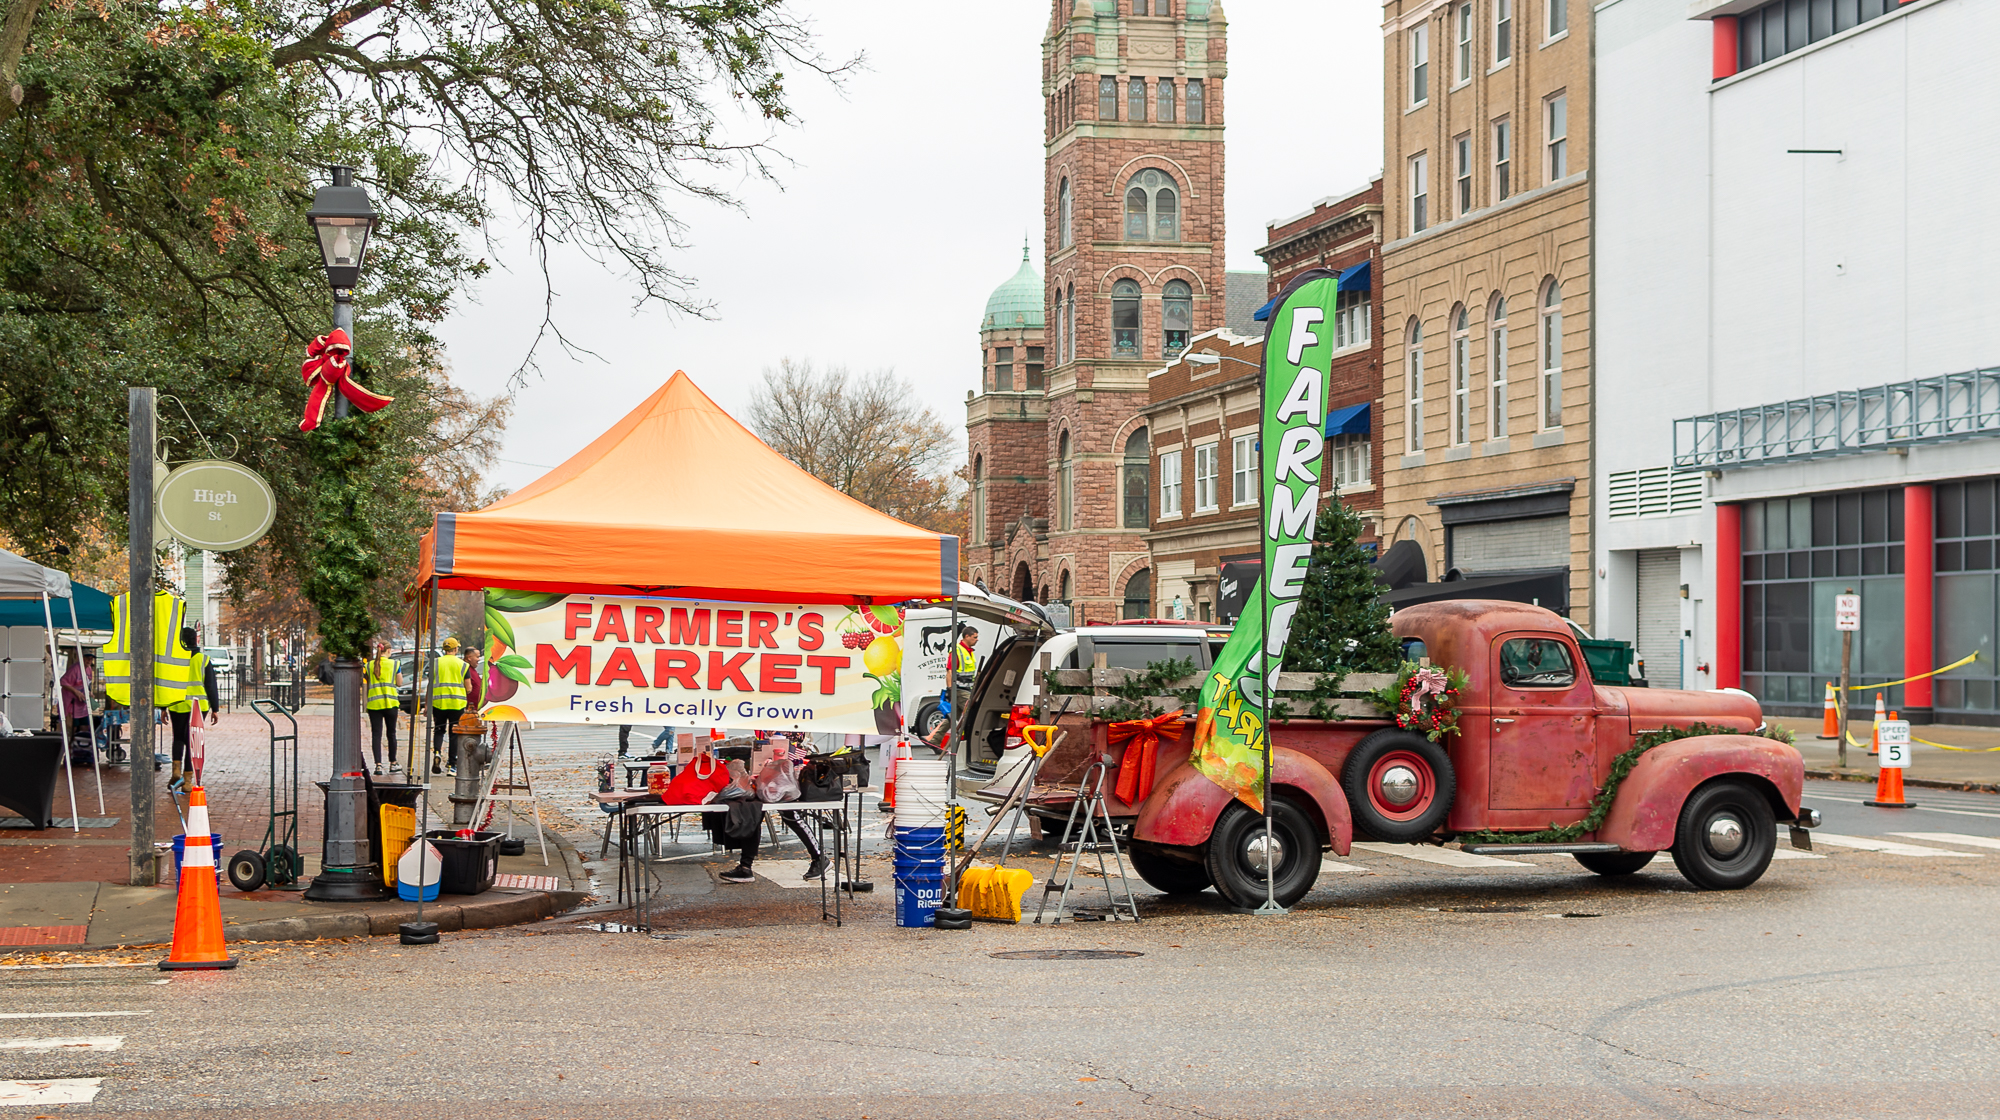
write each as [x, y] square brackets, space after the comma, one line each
[468, 737]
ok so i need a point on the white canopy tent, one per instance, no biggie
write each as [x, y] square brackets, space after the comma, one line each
[22, 578]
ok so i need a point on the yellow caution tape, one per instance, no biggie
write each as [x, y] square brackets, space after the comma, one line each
[1959, 664]
[1949, 747]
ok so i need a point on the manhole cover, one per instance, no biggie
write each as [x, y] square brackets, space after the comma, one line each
[1581, 915]
[1065, 954]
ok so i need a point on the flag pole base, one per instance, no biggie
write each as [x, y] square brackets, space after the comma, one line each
[1270, 910]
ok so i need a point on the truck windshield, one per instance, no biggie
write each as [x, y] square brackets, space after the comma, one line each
[1536, 663]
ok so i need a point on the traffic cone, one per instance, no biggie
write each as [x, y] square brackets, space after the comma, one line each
[897, 753]
[1889, 787]
[1829, 727]
[198, 917]
[1875, 733]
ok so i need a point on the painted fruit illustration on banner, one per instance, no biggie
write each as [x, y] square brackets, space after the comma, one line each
[877, 631]
[506, 670]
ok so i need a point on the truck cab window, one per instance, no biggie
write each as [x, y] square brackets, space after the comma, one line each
[1536, 663]
[1414, 649]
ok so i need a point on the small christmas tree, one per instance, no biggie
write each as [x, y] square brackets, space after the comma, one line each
[1341, 625]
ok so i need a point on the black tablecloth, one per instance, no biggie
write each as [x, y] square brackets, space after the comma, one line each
[28, 765]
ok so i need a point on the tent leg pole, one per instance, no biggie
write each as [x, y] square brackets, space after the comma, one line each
[89, 707]
[62, 714]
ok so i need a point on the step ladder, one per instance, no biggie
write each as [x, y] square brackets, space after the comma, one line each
[512, 791]
[1084, 836]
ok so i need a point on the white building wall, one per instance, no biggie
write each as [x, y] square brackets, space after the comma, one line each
[1735, 272]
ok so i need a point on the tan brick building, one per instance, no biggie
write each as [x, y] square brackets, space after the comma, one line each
[1486, 287]
[1133, 153]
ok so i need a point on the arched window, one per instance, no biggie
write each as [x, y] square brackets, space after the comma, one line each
[1024, 582]
[1413, 388]
[1069, 333]
[1125, 317]
[1496, 369]
[978, 499]
[1176, 317]
[1139, 594]
[1461, 376]
[1063, 235]
[1138, 480]
[1065, 484]
[1068, 591]
[1057, 323]
[1152, 207]
[1552, 356]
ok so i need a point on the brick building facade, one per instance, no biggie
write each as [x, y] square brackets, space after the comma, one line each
[1486, 294]
[1133, 154]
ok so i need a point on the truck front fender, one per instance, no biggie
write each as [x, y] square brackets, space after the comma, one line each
[1184, 805]
[1648, 805]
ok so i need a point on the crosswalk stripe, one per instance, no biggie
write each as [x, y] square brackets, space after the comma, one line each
[1794, 853]
[1953, 838]
[79, 1042]
[1886, 847]
[59, 1090]
[1928, 808]
[1448, 857]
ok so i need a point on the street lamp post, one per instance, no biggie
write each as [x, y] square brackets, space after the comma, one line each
[342, 218]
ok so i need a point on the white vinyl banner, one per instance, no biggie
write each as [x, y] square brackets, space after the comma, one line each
[556, 658]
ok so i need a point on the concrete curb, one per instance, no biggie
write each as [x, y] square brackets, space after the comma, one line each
[1919, 783]
[484, 913]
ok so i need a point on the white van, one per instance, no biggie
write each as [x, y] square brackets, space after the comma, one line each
[927, 644]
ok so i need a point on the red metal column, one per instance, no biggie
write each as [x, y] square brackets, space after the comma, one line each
[1918, 588]
[1729, 596]
[1725, 46]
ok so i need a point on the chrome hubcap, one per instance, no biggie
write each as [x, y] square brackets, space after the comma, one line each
[1265, 852]
[1399, 785]
[1725, 835]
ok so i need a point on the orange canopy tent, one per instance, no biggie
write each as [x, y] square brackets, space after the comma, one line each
[679, 499]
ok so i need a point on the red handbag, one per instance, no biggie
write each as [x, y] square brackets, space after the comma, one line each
[696, 782]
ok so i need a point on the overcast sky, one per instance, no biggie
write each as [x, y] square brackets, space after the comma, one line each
[904, 207]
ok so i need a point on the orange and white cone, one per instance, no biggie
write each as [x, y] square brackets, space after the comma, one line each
[1829, 727]
[1875, 730]
[893, 755]
[198, 917]
[1889, 787]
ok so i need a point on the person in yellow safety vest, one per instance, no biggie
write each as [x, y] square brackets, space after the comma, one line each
[201, 693]
[383, 680]
[447, 701]
[170, 661]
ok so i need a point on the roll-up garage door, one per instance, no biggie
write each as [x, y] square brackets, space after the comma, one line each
[1659, 644]
[1493, 547]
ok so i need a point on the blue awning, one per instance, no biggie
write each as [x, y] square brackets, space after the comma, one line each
[93, 610]
[1349, 421]
[1353, 279]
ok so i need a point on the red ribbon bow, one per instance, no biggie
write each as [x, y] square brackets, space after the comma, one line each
[1135, 770]
[328, 366]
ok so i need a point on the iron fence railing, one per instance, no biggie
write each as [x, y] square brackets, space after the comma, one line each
[1951, 406]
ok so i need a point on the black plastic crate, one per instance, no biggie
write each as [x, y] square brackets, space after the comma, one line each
[469, 866]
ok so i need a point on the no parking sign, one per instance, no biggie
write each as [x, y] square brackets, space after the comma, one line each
[1895, 743]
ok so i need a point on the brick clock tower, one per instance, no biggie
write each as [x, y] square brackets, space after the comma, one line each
[1062, 494]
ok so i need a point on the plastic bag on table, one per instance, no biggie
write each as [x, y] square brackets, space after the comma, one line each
[777, 782]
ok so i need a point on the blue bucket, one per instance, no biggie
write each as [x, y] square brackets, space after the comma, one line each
[180, 852]
[918, 895]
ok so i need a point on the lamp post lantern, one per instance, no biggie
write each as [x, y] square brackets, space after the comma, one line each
[342, 218]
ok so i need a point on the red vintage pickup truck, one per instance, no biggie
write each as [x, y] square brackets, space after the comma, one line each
[1536, 743]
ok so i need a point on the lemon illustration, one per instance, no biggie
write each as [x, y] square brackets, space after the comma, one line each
[883, 657]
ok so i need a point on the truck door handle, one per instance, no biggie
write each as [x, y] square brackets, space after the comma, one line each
[1503, 721]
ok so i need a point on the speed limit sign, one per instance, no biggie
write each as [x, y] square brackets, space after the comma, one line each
[1895, 743]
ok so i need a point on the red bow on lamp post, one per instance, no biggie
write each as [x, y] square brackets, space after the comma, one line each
[329, 365]
[1135, 770]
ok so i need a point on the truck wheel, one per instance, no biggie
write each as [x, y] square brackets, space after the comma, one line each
[1399, 786]
[1614, 863]
[929, 722]
[1168, 875]
[1725, 837]
[1237, 858]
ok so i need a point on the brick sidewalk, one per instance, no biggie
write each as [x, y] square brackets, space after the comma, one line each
[237, 779]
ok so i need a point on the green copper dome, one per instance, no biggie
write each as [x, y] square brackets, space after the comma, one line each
[1017, 303]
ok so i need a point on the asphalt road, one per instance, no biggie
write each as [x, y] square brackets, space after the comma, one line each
[1852, 983]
